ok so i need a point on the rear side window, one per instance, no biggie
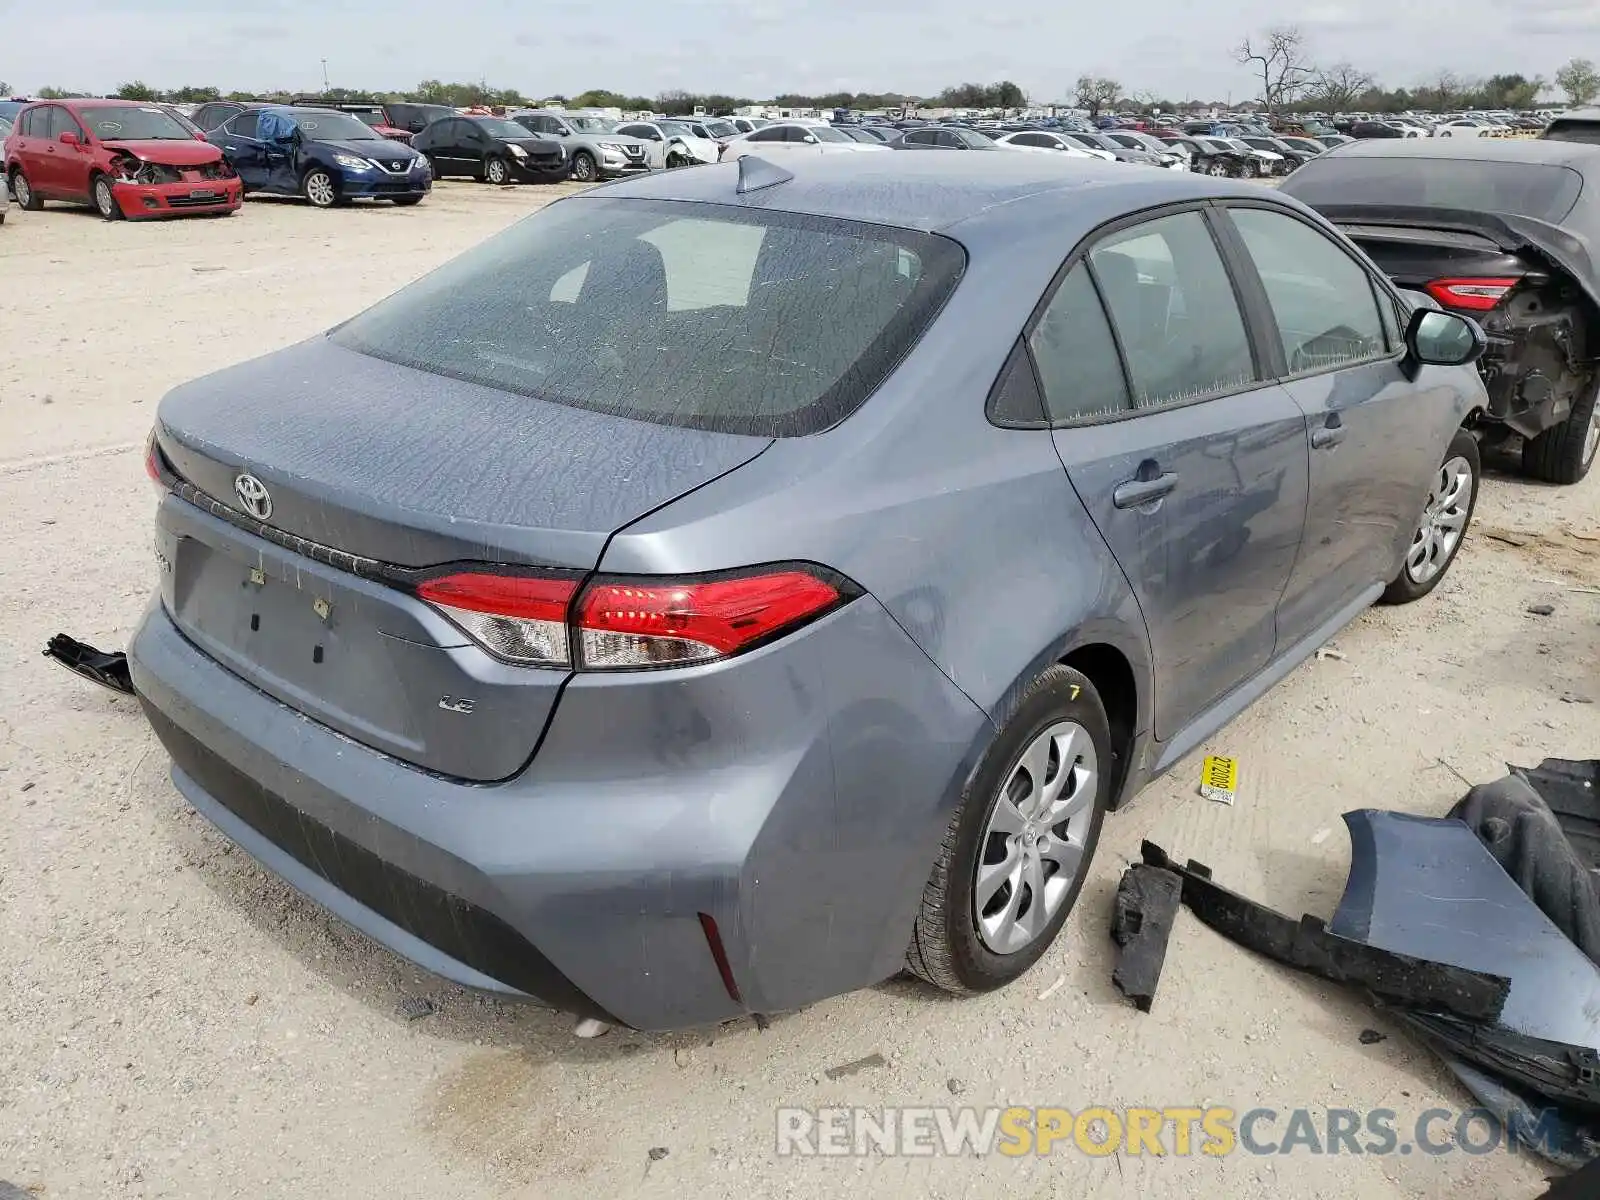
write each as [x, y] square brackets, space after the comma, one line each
[1322, 300]
[704, 315]
[1173, 307]
[244, 125]
[1569, 130]
[1538, 190]
[1076, 355]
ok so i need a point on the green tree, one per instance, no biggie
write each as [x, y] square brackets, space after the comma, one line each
[1510, 91]
[1579, 80]
[55, 93]
[137, 90]
[195, 95]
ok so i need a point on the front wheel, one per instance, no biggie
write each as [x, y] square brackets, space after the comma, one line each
[1565, 452]
[105, 200]
[27, 199]
[496, 172]
[1017, 851]
[1217, 169]
[584, 169]
[1446, 515]
[320, 189]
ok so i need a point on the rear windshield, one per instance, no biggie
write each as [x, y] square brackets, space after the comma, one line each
[703, 315]
[1582, 130]
[1546, 193]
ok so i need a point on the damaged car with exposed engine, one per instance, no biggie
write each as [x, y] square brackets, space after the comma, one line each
[1501, 231]
[126, 158]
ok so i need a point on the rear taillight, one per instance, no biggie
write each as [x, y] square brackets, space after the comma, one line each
[152, 463]
[520, 618]
[1473, 294]
[629, 623]
[655, 623]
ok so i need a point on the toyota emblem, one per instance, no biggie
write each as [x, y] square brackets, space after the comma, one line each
[253, 495]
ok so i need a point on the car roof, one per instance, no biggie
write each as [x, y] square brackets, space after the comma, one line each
[1028, 195]
[1578, 155]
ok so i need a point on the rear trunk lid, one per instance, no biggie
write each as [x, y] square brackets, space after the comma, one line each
[373, 471]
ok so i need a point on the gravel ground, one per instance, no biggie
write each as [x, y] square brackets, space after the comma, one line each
[175, 1022]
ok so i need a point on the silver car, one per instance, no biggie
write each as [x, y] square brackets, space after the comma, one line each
[593, 144]
[926, 507]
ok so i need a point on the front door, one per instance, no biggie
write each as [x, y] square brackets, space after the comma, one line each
[1193, 468]
[242, 149]
[71, 163]
[1372, 436]
[278, 136]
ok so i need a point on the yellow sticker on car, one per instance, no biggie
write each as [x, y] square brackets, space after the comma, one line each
[1219, 778]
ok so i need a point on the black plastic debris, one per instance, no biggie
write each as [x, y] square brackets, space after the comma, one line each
[1371, 1037]
[1585, 1185]
[1308, 945]
[107, 668]
[1147, 904]
[1566, 1074]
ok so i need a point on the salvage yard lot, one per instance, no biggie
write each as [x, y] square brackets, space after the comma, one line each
[175, 1022]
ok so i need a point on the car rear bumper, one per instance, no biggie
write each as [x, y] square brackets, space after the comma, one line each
[795, 796]
[140, 200]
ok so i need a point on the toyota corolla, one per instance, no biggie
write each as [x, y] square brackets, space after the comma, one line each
[728, 588]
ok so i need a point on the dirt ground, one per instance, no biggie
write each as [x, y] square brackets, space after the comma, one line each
[175, 1022]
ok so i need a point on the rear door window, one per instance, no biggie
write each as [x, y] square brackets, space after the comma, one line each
[1173, 306]
[710, 316]
[1075, 354]
[244, 125]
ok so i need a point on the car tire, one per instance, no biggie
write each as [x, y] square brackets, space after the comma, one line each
[1446, 517]
[407, 201]
[1218, 170]
[959, 942]
[27, 199]
[319, 188]
[1565, 452]
[105, 200]
[496, 172]
[584, 168]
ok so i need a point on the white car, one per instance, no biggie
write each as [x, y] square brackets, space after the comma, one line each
[1042, 141]
[794, 137]
[1266, 162]
[671, 143]
[1471, 127]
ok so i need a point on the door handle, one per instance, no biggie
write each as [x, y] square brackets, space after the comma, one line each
[1133, 493]
[1327, 437]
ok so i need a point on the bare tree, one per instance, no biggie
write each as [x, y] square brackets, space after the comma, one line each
[1335, 88]
[1279, 58]
[1443, 91]
[1578, 79]
[1095, 93]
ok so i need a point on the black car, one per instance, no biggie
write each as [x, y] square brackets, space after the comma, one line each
[218, 113]
[1293, 156]
[491, 149]
[1209, 157]
[942, 137]
[1375, 129]
[414, 118]
[1499, 231]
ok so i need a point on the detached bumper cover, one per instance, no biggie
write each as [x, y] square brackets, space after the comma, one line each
[139, 200]
[796, 795]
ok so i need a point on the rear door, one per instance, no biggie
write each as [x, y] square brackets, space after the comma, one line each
[443, 140]
[1193, 468]
[44, 171]
[242, 148]
[1373, 434]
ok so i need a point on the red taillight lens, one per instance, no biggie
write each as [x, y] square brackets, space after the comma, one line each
[1475, 295]
[630, 623]
[520, 618]
[624, 623]
[152, 463]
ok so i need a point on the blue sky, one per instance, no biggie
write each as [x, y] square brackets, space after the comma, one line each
[1176, 48]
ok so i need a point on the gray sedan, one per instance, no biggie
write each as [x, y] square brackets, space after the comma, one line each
[922, 512]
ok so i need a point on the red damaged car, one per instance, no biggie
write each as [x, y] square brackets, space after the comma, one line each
[124, 157]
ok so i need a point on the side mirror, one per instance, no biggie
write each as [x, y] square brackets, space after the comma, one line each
[1435, 337]
[810, 139]
[69, 139]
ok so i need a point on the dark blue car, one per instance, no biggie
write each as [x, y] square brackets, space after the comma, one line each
[326, 156]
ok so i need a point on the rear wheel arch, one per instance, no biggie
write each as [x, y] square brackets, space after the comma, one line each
[1108, 668]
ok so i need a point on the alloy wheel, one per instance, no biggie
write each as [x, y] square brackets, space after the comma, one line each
[22, 189]
[320, 190]
[1218, 169]
[103, 199]
[1033, 845]
[583, 169]
[497, 171]
[1444, 520]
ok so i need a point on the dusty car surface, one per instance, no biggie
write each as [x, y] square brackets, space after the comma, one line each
[925, 508]
[127, 159]
[1502, 230]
